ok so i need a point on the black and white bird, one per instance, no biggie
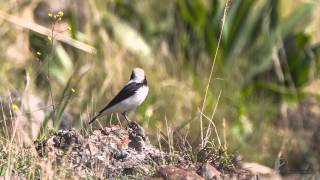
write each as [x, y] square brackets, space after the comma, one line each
[129, 97]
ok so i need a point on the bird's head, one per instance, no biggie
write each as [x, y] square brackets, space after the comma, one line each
[138, 75]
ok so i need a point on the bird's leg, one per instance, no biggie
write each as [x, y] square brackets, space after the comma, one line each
[126, 117]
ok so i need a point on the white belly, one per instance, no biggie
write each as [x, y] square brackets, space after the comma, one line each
[130, 103]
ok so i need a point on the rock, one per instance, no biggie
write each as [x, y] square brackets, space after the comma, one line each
[261, 171]
[137, 137]
[113, 152]
[108, 152]
[209, 172]
[175, 173]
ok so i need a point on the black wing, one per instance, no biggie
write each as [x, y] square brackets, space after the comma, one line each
[125, 92]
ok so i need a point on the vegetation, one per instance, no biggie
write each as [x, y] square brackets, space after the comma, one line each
[258, 59]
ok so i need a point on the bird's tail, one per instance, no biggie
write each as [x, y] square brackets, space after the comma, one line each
[94, 118]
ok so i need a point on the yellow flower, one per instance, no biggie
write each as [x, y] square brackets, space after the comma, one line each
[14, 107]
[149, 112]
[158, 125]
[60, 13]
[50, 14]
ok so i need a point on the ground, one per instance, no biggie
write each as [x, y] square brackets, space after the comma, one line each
[113, 152]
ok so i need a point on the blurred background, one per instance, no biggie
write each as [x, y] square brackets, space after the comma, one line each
[63, 60]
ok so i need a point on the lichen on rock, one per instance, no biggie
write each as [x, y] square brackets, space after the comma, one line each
[107, 152]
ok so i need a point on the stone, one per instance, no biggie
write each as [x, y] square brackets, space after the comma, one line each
[175, 173]
[209, 172]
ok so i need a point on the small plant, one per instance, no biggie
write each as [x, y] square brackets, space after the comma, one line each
[55, 18]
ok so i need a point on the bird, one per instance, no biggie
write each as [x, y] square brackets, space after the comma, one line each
[129, 97]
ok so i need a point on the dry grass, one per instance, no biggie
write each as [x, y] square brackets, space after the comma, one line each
[182, 97]
[93, 80]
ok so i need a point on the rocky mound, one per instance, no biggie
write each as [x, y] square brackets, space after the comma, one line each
[114, 151]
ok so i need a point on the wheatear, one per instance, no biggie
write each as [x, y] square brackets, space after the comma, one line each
[130, 96]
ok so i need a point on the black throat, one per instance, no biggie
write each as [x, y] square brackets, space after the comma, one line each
[145, 82]
[132, 76]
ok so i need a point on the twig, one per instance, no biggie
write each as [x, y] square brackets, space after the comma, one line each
[212, 123]
[218, 137]
[48, 77]
[47, 32]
